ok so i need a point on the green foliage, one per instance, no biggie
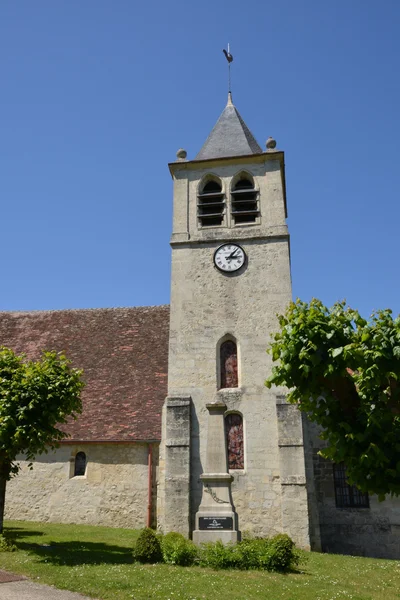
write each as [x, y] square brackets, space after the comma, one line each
[7, 543]
[147, 548]
[283, 553]
[254, 554]
[344, 373]
[275, 554]
[35, 398]
[177, 550]
[218, 556]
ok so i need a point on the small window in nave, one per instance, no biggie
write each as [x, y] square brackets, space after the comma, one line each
[80, 464]
[228, 365]
[234, 440]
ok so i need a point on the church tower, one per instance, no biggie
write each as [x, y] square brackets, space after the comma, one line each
[230, 277]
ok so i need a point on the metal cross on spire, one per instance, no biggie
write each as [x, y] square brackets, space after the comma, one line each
[229, 58]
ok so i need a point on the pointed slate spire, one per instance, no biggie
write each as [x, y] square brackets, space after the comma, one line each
[230, 136]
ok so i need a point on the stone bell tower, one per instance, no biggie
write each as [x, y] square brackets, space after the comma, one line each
[230, 277]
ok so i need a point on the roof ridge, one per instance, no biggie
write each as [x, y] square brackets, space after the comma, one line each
[70, 310]
[249, 136]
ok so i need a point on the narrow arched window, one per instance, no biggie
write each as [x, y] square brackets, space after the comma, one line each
[244, 202]
[234, 440]
[228, 364]
[211, 204]
[80, 464]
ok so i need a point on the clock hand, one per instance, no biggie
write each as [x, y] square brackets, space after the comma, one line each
[232, 253]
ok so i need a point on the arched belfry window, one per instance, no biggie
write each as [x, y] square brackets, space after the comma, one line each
[234, 440]
[244, 201]
[211, 204]
[80, 464]
[228, 365]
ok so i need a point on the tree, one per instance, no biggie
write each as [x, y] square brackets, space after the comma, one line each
[344, 372]
[35, 398]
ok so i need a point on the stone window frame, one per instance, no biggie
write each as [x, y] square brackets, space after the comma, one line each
[243, 174]
[72, 471]
[243, 468]
[200, 187]
[228, 337]
[356, 498]
[228, 220]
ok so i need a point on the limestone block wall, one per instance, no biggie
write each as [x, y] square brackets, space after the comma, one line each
[313, 510]
[373, 531]
[176, 490]
[294, 501]
[113, 492]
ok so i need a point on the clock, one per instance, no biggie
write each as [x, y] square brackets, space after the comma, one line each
[229, 258]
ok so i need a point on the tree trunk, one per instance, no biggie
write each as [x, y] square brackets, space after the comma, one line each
[4, 474]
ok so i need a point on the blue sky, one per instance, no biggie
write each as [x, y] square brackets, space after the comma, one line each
[97, 96]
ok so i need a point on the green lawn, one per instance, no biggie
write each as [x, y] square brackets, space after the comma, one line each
[97, 561]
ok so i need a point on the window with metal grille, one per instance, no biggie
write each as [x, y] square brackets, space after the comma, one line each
[80, 464]
[347, 495]
[211, 205]
[234, 440]
[228, 365]
[244, 202]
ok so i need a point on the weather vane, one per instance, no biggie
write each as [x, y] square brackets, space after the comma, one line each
[229, 58]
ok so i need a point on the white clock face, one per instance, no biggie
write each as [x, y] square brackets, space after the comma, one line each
[229, 258]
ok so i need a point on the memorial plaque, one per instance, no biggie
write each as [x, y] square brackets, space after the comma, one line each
[216, 523]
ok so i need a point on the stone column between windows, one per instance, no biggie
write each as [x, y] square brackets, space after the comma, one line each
[177, 464]
[294, 500]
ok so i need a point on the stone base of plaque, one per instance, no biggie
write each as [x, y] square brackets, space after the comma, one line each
[226, 537]
[213, 527]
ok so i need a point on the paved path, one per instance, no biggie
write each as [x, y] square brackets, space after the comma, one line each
[18, 588]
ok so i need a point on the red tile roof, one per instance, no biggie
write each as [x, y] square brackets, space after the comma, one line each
[124, 355]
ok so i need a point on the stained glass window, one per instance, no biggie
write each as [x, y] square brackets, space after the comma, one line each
[229, 366]
[347, 495]
[234, 440]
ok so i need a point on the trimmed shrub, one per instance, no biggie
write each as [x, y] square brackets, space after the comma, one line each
[218, 556]
[177, 550]
[275, 554]
[147, 548]
[284, 554]
[253, 554]
[7, 543]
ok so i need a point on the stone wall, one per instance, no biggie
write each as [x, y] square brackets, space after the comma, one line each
[176, 490]
[373, 531]
[113, 492]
